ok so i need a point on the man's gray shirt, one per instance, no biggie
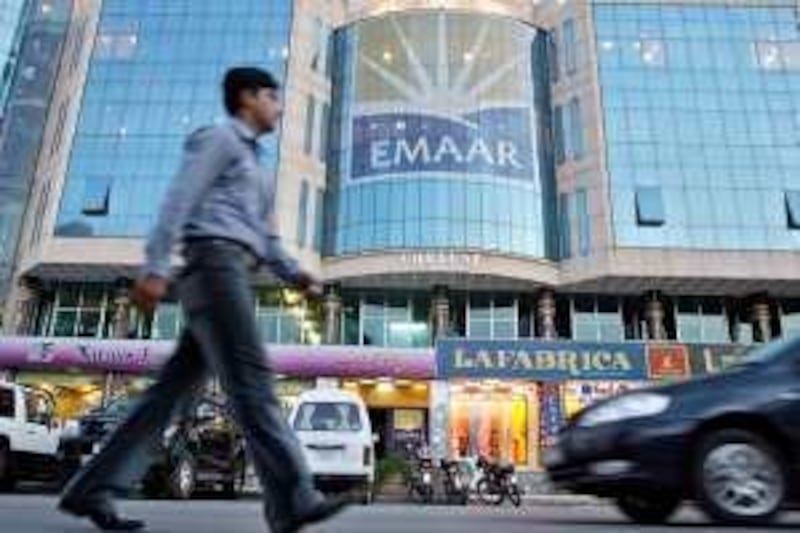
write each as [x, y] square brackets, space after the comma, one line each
[222, 192]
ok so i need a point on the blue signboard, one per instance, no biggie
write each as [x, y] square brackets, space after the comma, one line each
[540, 360]
[494, 142]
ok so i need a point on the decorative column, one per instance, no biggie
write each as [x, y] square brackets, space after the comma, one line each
[439, 419]
[332, 307]
[546, 313]
[121, 319]
[762, 319]
[654, 317]
[440, 309]
[21, 308]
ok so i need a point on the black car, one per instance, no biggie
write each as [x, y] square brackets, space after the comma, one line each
[202, 451]
[730, 441]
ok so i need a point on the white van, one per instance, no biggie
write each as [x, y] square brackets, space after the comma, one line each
[334, 430]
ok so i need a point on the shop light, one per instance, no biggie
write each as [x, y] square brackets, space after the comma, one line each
[384, 385]
[403, 382]
[367, 382]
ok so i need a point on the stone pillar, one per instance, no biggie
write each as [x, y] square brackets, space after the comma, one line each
[332, 326]
[20, 308]
[440, 310]
[762, 319]
[546, 313]
[654, 317]
[121, 320]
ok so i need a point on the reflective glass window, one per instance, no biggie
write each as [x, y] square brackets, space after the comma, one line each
[649, 206]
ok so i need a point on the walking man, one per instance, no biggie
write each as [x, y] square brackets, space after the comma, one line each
[219, 209]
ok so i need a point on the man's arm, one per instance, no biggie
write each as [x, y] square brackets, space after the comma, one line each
[206, 155]
[279, 262]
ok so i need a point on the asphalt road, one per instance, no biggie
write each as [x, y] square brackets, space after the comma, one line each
[36, 514]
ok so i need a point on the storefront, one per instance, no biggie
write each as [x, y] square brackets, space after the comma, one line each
[506, 400]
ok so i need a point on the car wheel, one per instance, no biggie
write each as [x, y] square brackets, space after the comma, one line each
[648, 508]
[7, 480]
[183, 478]
[739, 477]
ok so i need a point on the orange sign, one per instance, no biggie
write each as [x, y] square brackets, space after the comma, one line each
[668, 361]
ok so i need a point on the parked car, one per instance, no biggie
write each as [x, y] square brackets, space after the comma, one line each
[202, 451]
[30, 439]
[731, 441]
[334, 429]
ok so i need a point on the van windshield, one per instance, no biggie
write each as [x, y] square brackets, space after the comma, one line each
[327, 416]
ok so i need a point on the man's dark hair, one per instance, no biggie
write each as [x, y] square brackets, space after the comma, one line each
[240, 79]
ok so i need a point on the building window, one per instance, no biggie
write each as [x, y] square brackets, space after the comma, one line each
[323, 132]
[702, 320]
[792, 200]
[311, 107]
[116, 46]
[558, 135]
[790, 318]
[492, 317]
[652, 53]
[167, 322]
[777, 56]
[81, 311]
[319, 219]
[397, 321]
[597, 319]
[575, 133]
[285, 317]
[584, 222]
[553, 56]
[58, 136]
[649, 206]
[565, 220]
[96, 196]
[569, 38]
[302, 214]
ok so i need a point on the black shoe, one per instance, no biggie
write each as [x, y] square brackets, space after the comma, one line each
[314, 513]
[102, 516]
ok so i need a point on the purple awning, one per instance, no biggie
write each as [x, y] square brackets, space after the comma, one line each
[142, 357]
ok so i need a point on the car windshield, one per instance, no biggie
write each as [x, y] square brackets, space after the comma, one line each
[328, 416]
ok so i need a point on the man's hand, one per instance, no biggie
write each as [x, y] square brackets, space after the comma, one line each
[309, 285]
[148, 291]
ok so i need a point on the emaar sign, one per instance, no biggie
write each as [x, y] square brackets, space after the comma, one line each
[403, 143]
[441, 94]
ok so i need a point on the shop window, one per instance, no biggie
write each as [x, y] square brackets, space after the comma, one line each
[492, 317]
[398, 321]
[569, 37]
[649, 206]
[597, 319]
[490, 424]
[792, 200]
[285, 317]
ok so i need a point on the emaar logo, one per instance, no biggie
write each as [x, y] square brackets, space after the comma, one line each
[402, 143]
[429, 100]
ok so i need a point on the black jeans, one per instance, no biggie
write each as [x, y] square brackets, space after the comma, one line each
[221, 338]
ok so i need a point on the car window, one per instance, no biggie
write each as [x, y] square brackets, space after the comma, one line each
[328, 416]
[6, 403]
[37, 408]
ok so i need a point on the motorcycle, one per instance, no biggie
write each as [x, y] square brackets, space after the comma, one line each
[456, 488]
[498, 482]
[420, 482]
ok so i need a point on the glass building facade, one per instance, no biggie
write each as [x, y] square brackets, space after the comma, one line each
[11, 17]
[702, 122]
[437, 139]
[155, 75]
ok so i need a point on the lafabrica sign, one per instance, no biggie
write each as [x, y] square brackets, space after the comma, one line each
[540, 360]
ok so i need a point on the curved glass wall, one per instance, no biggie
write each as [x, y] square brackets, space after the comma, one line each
[436, 136]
